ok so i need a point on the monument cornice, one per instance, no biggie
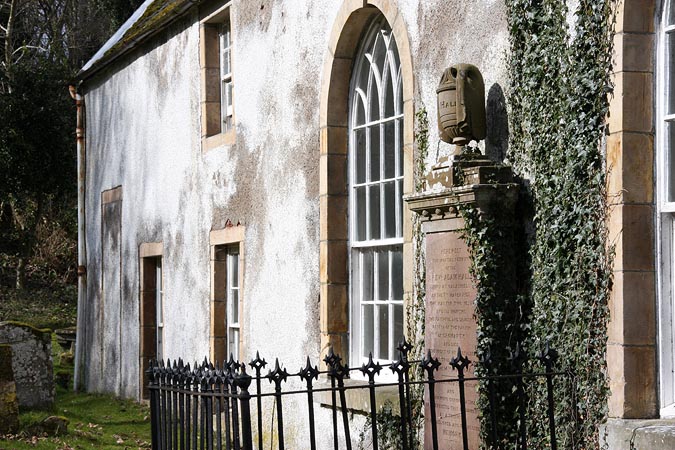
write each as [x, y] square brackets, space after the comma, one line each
[445, 203]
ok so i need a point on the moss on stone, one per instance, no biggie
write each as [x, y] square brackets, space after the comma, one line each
[152, 18]
[40, 333]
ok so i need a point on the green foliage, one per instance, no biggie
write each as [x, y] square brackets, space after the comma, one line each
[502, 314]
[94, 421]
[559, 100]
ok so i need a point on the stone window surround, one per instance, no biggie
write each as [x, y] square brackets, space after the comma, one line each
[148, 252]
[352, 19]
[209, 65]
[230, 235]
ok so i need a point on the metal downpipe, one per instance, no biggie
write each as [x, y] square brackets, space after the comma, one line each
[81, 242]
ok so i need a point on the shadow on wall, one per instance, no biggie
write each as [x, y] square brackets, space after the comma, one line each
[497, 120]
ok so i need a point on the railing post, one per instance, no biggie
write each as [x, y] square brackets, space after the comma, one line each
[308, 373]
[277, 376]
[548, 357]
[404, 348]
[399, 368]
[517, 364]
[429, 365]
[331, 359]
[459, 363]
[154, 407]
[243, 381]
[486, 362]
[371, 370]
[234, 366]
[257, 364]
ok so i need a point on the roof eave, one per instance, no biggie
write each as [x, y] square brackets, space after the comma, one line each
[120, 50]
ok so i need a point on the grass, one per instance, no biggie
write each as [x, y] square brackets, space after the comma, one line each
[95, 421]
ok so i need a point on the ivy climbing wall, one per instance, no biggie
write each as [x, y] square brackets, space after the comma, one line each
[559, 86]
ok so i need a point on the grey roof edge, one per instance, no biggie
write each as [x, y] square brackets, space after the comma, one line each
[147, 21]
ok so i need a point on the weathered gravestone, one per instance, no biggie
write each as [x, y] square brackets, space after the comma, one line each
[9, 408]
[450, 322]
[31, 362]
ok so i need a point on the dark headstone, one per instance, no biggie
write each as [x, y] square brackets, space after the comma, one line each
[9, 407]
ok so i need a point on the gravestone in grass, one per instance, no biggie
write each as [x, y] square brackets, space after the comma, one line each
[31, 362]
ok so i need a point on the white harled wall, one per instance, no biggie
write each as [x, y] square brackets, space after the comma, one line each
[143, 133]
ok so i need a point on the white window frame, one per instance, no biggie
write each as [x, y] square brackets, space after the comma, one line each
[665, 217]
[159, 308]
[226, 83]
[360, 246]
[233, 297]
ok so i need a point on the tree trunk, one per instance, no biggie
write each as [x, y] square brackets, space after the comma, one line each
[21, 274]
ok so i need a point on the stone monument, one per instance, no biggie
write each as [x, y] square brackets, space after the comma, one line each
[464, 180]
[32, 363]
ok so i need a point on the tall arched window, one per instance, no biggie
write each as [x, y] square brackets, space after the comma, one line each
[375, 197]
[665, 127]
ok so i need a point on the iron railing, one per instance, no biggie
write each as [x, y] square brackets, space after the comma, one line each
[208, 407]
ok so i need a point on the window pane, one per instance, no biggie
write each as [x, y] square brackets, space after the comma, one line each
[390, 209]
[670, 16]
[390, 149]
[233, 266]
[670, 146]
[398, 325]
[229, 98]
[234, 343]
[388, 94]
[397, 274]
[360, 153]
[360, 219]
[226, 62]
[399, 211]
[393, 58]
[367, 331]
[383, 275]
[383, 332]
[374, 99]
[380, 51]
[374, 152]
[367, 276]
[360, 110]
[670, 73]
[234, 306]
[399, 153]
[160, 343]
[362, 78]
[374, 208]
[223, 99]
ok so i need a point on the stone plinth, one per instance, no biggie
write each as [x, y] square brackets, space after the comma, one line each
[9, 408]
[31, 362]
[450, 320]
[450, 324]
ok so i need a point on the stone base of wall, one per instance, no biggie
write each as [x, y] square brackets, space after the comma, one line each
[622, 434]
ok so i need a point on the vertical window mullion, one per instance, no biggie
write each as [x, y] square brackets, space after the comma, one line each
[367, 183]
[390, 296]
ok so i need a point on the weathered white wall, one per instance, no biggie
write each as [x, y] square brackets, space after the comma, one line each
[143, 126]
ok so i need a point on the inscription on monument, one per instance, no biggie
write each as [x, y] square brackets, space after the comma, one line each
[450, 322]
